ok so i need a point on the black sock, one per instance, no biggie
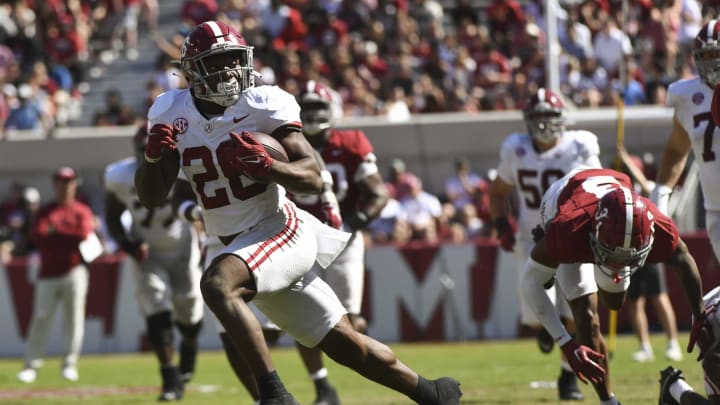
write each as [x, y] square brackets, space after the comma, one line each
[270, 385]
[425, 392]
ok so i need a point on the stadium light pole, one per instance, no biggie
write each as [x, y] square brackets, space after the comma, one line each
[552, 57]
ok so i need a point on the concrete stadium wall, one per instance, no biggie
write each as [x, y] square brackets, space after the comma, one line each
[428, 143]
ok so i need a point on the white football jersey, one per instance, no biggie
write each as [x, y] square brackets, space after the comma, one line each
[230, 205]
[691, 100]
[159, 226]
[532, 173]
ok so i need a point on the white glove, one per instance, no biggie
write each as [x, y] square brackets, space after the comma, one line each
[660, 196]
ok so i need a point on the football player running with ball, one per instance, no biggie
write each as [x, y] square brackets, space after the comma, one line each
[594, 215]
[268, 245]
[531, 162]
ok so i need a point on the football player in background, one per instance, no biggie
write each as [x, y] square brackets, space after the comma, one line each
[268, 245]
[594, 215]
[693, 129]
[674, 389]
[531, 162]
[351, 179]
[163, 248]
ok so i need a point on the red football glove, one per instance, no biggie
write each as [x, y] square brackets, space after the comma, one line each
[160, 136]
[248, 156]
[583, 361]
[702, 334]
[505, 233]
[330, 209]
[715, 106]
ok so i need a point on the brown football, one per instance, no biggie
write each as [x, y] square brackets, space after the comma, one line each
[272, 146]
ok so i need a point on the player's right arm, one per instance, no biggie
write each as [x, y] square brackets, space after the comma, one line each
[674, 156]
[678, 145]
[156, 174]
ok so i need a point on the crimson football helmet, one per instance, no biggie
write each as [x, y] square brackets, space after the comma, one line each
[218, 63]
[706, 53]
[622, 235]
[316, 103]
[544, 115]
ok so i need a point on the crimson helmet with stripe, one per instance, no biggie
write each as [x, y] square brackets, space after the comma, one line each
[544, 115]
[706, 52]
[622, 232]
[220, 80]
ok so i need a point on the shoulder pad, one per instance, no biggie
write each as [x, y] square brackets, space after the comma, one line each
[684, 88]
[276, 99]
[516, 139]
[117, 171]
[162, 104]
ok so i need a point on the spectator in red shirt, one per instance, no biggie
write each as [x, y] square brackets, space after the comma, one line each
[60, 227]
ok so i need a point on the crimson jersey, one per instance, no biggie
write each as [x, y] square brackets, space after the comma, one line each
[569, 207]
[349, 156]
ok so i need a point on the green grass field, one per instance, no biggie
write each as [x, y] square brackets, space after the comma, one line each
[491, 372]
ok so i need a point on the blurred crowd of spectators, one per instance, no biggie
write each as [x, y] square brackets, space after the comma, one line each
[459, 213]
[397, 57]
[384, 57]
[49, 49]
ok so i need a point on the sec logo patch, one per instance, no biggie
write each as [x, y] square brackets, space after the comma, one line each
[181, 124]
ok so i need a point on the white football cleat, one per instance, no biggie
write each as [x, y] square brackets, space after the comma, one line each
[673, 353]
[27, 375]
[70, 373]
[643, 356]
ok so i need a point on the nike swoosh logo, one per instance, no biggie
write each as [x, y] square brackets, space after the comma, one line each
[238, 119]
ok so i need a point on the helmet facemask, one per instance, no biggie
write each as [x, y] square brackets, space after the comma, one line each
[707, 61]
[222, 85]
[545, 125]
[316, 117]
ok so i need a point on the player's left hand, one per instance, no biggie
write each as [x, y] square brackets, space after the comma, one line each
[505, 233]
[584, 361]
[248, 156]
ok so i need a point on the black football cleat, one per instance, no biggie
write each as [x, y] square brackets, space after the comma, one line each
[667, 377]
[172, 387]
[326, 394]
[545, 341]
[284, 399]
[448, 391]
[567, 387]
